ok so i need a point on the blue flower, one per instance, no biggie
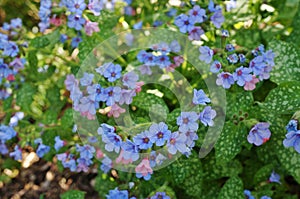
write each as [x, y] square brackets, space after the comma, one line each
[242, 58]
[83, 164]
[259, 134]
[265, 197]
[6, 133]
[161, 133]
[130, 79]
[229, 47]
[113, 95]
[292, 125]
[16, 23]
[87, 79]
[177, 143]
[196, 33]
[75, 42]
[58, 143]
[130, 150]
[42, 150]
[275, 177]
[172, 12]
[63, 38]
[96, 6]
[76, 22]
[138, 25]
[187, 121]
[106, 164]
[10, 49]
[141, 56]
[184, 23]
[191, 137]
[163, 61]
[292, 139]
[68, 161]
[248, 194]
[17, 154]
[242, 75]
[112, 142]
[197, 14]
[87, 106]
[143, 140]
[217, 18]
[206, 54]
[98, 92]
[76, 6]
[105, 129]
[215, 67]
[116, 194]
[225, 33]
[200, 97]
[269, 58]
[86, 151]
[257, 65]
[207, 116]
[3, 149]
[112, 72]
[225, 79]
[160, 195]
[127, 96]
[175, 46]
[233, 58]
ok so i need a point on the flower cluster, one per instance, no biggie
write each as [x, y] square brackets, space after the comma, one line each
[292, 138]
[246, 70]
[259, 134]
[192, 22]
[161, 55]
[10, 61]
[157, 136]
[6, 133]
[89, 99]
[44, 14]
[124, 194]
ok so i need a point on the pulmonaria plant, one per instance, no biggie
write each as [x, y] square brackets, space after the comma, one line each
[259, 134]
[292, 138]
[244, 68]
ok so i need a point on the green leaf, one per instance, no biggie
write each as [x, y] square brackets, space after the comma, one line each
[67, 119]
[233, 188]
[24, 97]
[263, 174]
[73, 194]
[230, 142]
[237, 103]
[287, 62]
[50, 117]
[40, 42]
[284, 99]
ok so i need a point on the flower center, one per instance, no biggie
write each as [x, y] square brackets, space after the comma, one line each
[172, 141]
[110, 93]
[113, 74]
[160, 135]
[240, 72]
[185, 120]
[146, 140]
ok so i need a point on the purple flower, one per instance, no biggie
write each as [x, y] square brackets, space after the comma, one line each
[75, 21]
[259, 134]
[275, 177]
[206, 54]
[175, 46]
[83, 164]
[184, 23]
[58, 143]
[96, 6]
[191, 137]
[145, 69]
[225, 79]
[86, 151]
[68, 161]
[17, 154]
[71, 82]
[160, 195]
[164, 48]
[130, 79]
[75, 42]
[10, 49]
[242, 58]
[215, 67]
[42, 150]
[160, 133]
[6, 133]
[127, 96]
[292, 139]
[112, 142]
[177, 143]
[292, 125]
[233, 58]
[242, 75]
[269, 58]
[143, 140]
[112, 72]
[16, 23]
[200, 97]
[116, 194]
[130, 150]
[196, 33]
[88, 106]
[163, 61]
[106, 164]
[217, 18]
[105, 129]
[103, 67]
[257, 65]
[3, 149]
[87, 79]
[207, 116]
[113, 95]
[187, 121]
[76, 6]
[18, 63]
[229, 47]
[197, 14]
